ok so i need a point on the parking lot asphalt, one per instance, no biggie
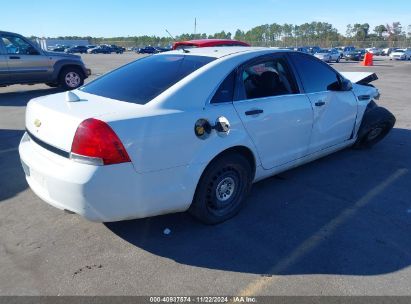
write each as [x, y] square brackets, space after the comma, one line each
[337, 226]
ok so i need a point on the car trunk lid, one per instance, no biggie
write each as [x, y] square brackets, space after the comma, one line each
[54, 120]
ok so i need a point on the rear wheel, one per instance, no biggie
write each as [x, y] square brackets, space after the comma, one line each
[71, 78]
[222, 189]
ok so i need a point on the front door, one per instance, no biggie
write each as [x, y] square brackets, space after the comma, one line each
[26, 63]
[277, 117]
[335, 111]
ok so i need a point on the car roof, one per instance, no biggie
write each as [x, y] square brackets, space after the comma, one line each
[219, 52]
[210, 42]
[9, 33]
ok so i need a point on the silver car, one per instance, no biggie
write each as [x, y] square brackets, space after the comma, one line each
[328, 55]
[23, 62]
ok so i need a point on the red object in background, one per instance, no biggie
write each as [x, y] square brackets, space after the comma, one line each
[368, 59]
[208, 43]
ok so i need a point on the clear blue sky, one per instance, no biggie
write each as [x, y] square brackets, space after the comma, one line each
[109, 18]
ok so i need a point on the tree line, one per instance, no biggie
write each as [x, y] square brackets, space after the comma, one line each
[314, 33]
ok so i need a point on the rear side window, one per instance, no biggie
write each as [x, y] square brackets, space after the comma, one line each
[315, 75]
[225, 92]
[144, 79]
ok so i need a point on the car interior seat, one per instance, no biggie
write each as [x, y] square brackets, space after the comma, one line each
[270, 85]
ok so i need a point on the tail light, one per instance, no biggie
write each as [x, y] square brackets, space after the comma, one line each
[97, 144]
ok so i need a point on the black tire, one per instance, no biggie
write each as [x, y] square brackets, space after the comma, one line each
[376, 124]
[212, 204]
[338, 60]
[71, 78]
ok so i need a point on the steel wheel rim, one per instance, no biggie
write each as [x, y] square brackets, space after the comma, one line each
[219, 206]
[72, 79]
[225, 189]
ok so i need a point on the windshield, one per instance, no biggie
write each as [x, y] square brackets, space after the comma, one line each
[399, 51]
[144, 79]
[323, 52]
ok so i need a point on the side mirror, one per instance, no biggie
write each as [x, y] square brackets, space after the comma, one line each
[346, 85]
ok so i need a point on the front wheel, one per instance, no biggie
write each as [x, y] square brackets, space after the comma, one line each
[71, 78]
[376, 124]
[222, 189]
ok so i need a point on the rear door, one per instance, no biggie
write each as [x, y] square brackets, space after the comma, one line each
[335, 111]
[276, 115]
[4, 69]
[26, 63]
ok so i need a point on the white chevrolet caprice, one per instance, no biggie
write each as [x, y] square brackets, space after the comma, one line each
[192, 130]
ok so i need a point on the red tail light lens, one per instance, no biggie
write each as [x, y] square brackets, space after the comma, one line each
[96, 140]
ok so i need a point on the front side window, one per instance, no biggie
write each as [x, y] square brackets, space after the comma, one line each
[16, 45]
[144, 79]
[268, 78]
[315, 75]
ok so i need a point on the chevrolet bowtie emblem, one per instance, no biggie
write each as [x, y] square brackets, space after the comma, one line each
[37, 123]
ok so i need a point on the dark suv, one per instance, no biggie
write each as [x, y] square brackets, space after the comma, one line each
[82, 49]
[23, 62]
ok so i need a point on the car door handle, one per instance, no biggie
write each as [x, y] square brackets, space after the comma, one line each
[254, 112]
[320, 103]
[14, 57]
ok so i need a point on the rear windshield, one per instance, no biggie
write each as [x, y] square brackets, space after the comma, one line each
[144, 79]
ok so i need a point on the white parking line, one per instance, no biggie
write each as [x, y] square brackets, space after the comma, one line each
[256, 286]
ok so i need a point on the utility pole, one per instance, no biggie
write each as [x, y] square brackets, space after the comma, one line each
[195, 26]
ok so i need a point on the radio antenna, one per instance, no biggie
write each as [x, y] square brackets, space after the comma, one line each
[174, 39]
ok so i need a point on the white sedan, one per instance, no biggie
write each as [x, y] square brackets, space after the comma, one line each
[328, 55]
[402, 54]
[192, 130]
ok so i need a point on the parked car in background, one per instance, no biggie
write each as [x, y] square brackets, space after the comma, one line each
[348, 49]
[340, 51]
[82, 49]
[162, 49]
[356, 55]
[101, 49]
[117, 49]
[328, 55]
[302, 50]
[91, 46]
[200, 43]
[375, 51]
[26, 63]
[60, 48]
[314, 49]
[401, 54]
[116, 155]
[147, 50]
[387, 51]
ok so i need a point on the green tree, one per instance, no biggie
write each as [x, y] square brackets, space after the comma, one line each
[380, 30]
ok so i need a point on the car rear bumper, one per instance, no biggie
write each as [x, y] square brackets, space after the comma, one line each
[104, 193]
